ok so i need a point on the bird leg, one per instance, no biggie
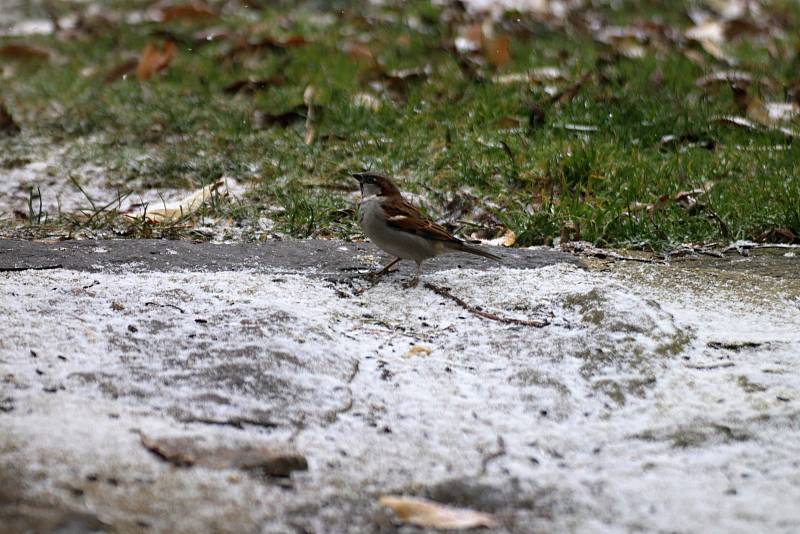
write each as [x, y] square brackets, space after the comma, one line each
[385, 270]
[414, 281]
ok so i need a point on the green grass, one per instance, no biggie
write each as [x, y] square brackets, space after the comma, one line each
[441, 134]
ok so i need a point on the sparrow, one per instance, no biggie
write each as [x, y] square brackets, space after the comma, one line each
[399, 229]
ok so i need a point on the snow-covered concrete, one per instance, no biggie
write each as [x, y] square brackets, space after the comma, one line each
[658, 399]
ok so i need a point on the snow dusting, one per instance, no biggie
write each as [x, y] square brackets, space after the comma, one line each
[654, 401]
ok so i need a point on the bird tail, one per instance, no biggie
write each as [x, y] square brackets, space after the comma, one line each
[479, 252]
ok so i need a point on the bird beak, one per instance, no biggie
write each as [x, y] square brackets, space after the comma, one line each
[358, 176]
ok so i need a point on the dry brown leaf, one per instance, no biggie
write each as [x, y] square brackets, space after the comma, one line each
[510, 122]
[689, 199]
[497, 50]
[509, 238]
[568, 94]
[470, 38]
[772, 114]
[760, 117]
[192, 12]
[123, 70]
[185, 451]
[8, 125]
[709, 30]
[368, 101]
[23, 52]
[418, 350]
[671, 141]
[725, 76]
[208, 35]
[262, 119]
[778, 235]
[359, 53]
[153, 60]
[627, 41]
[253, 86]
[537, 75]
[710, 35]
[430, 514]
[583, 128]
[248, 45]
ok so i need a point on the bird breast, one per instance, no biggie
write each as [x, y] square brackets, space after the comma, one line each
[391, 240]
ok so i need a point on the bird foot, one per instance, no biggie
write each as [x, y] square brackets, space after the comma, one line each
[411, 283]
[377, 275]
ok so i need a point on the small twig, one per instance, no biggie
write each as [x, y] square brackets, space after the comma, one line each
[501, 450]
[602, 254]
[354, 372]
[236, 422]
[445, 292]
[746, 246]
[688, 250]
[299, 426]
[334, 414]
[583, 249]
[31, 268]
[164, 306]
[710, 366]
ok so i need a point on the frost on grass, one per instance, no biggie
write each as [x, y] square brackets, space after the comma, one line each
[648, 403]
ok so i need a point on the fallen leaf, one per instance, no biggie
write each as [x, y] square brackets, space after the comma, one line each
[397, 81]
[743, 122]
[418, 350]
[178, 210]
[777, 112]
[208, 35]
[688, 199]
[430, 514]
[192, 12]
[626, 41]
[710, 35]
[360, 53]
[253, 86]
[153, 60]
[123, 70]
[570, 231]
[686, 140]
[23, 52]
[262, 119]
[567, 95]
[497, 50]
[509, 238]
[725, 76]
[538, 75]
[247, 45]
[366, 100]
[8, 125]
[536, 115]
[186, 451]
[510, 122]
[586, 128]
[469, 39]
[778, 235]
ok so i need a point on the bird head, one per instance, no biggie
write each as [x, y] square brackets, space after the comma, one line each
[375, 184]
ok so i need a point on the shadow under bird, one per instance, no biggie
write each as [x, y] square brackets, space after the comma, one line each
[399, 229]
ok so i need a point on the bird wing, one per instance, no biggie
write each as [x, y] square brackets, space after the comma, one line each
[403, 216]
